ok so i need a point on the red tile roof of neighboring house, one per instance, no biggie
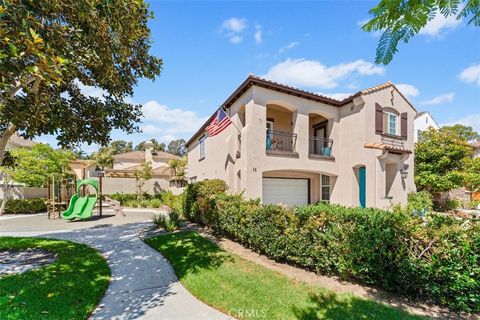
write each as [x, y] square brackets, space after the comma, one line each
[387, 147]
[140, 155]
[18, 141]
[272, 85]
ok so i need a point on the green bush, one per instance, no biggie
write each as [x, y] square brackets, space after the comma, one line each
[144, 203]
[436, 257]
[419, 202]
[170, 223]
[131, 204]
[125, 198]
[25, 205]
[172, 201]
[155, 203]
[446, 205]
[198, 203]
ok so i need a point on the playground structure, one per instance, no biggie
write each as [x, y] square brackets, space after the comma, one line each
[68, 198]
[81, 207]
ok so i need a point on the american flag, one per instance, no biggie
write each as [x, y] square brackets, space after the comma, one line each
[219, 122]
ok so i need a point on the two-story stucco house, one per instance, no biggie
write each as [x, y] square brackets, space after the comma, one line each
[291, 146]
[423, 122]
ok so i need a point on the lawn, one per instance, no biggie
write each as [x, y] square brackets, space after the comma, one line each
[69, 288]
[246, 290]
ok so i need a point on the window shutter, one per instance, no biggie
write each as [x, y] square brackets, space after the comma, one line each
[378, 118]
[404, 125]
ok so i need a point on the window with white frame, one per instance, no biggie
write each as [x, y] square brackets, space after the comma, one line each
[392, 124]
[325, 192]
[201, 143]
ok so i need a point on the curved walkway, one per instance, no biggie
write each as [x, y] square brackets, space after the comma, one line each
[143, 283]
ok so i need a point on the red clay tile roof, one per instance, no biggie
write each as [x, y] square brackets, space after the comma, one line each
[387, 147]
[140, 155]
[272, 85]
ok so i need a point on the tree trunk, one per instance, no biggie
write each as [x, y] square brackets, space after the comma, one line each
[4, 203]
[4, 136]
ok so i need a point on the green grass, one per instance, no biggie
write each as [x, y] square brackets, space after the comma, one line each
[69, 288]
[246, 290]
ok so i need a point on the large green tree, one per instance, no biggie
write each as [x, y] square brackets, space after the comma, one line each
[401, 20]
[103, 158]
[157, 146]
[177, 147]
[440, 160]
[121, 146]
[466, 132]
[50, 49]
[33, 167]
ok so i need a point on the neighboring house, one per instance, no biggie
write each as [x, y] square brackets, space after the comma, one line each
[423, 121]
[121, 177]
[16, 141]
[476, 149]
[295, 147]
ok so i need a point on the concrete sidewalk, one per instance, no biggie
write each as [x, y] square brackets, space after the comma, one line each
[143, 285]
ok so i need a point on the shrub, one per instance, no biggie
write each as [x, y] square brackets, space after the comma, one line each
[198, 204]
[26, 205]
[170, 223]
[155, 203]
[131, 204]
[446, 205]
[172, 201]
[419, 202]
[436, 257]
[144, 203]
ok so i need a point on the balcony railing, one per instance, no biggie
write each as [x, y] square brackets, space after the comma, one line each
[320, 146]
[395, 141]
[280, 141]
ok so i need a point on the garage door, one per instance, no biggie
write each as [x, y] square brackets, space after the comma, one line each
[292, 192]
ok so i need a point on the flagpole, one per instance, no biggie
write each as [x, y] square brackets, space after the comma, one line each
[228, 115]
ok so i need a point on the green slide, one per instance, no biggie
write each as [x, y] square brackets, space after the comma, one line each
[82, 207]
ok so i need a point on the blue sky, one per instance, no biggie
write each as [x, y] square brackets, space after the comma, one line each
[209, 48]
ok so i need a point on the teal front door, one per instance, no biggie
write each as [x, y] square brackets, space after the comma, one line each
[362, 187]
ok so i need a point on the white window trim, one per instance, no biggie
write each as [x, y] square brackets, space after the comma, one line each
[388, 123]
[325, 185]
[203, 149]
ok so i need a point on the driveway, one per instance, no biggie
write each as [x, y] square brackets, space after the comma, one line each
[143, 285]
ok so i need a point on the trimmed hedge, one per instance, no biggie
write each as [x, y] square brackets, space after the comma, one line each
[435, 257]
[199, 200]
[25, 205]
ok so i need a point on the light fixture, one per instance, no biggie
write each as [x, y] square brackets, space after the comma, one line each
[403, 173]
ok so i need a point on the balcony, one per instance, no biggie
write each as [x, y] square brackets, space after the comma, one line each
[279, 142]
[320, 147]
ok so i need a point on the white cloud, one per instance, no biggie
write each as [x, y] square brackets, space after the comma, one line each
[471, 74]
[233, 28]
[440, 24]
[161, 119]
[311, 73]
[235, 25]
[236, 39]
[408, 90]
[337, 96]
[442, 98]
[258, 34]
[90, 91]
[472, 120]
[289, 46]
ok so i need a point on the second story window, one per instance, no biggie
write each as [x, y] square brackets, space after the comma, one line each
[392, 124]
[201, 143]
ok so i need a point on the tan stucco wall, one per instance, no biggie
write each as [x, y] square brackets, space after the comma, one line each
[350, 127]
[127, 185]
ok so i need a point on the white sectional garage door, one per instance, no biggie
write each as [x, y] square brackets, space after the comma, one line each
[292, 192]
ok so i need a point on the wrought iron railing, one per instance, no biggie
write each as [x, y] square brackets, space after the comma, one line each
[320, 146]
[280, 141]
